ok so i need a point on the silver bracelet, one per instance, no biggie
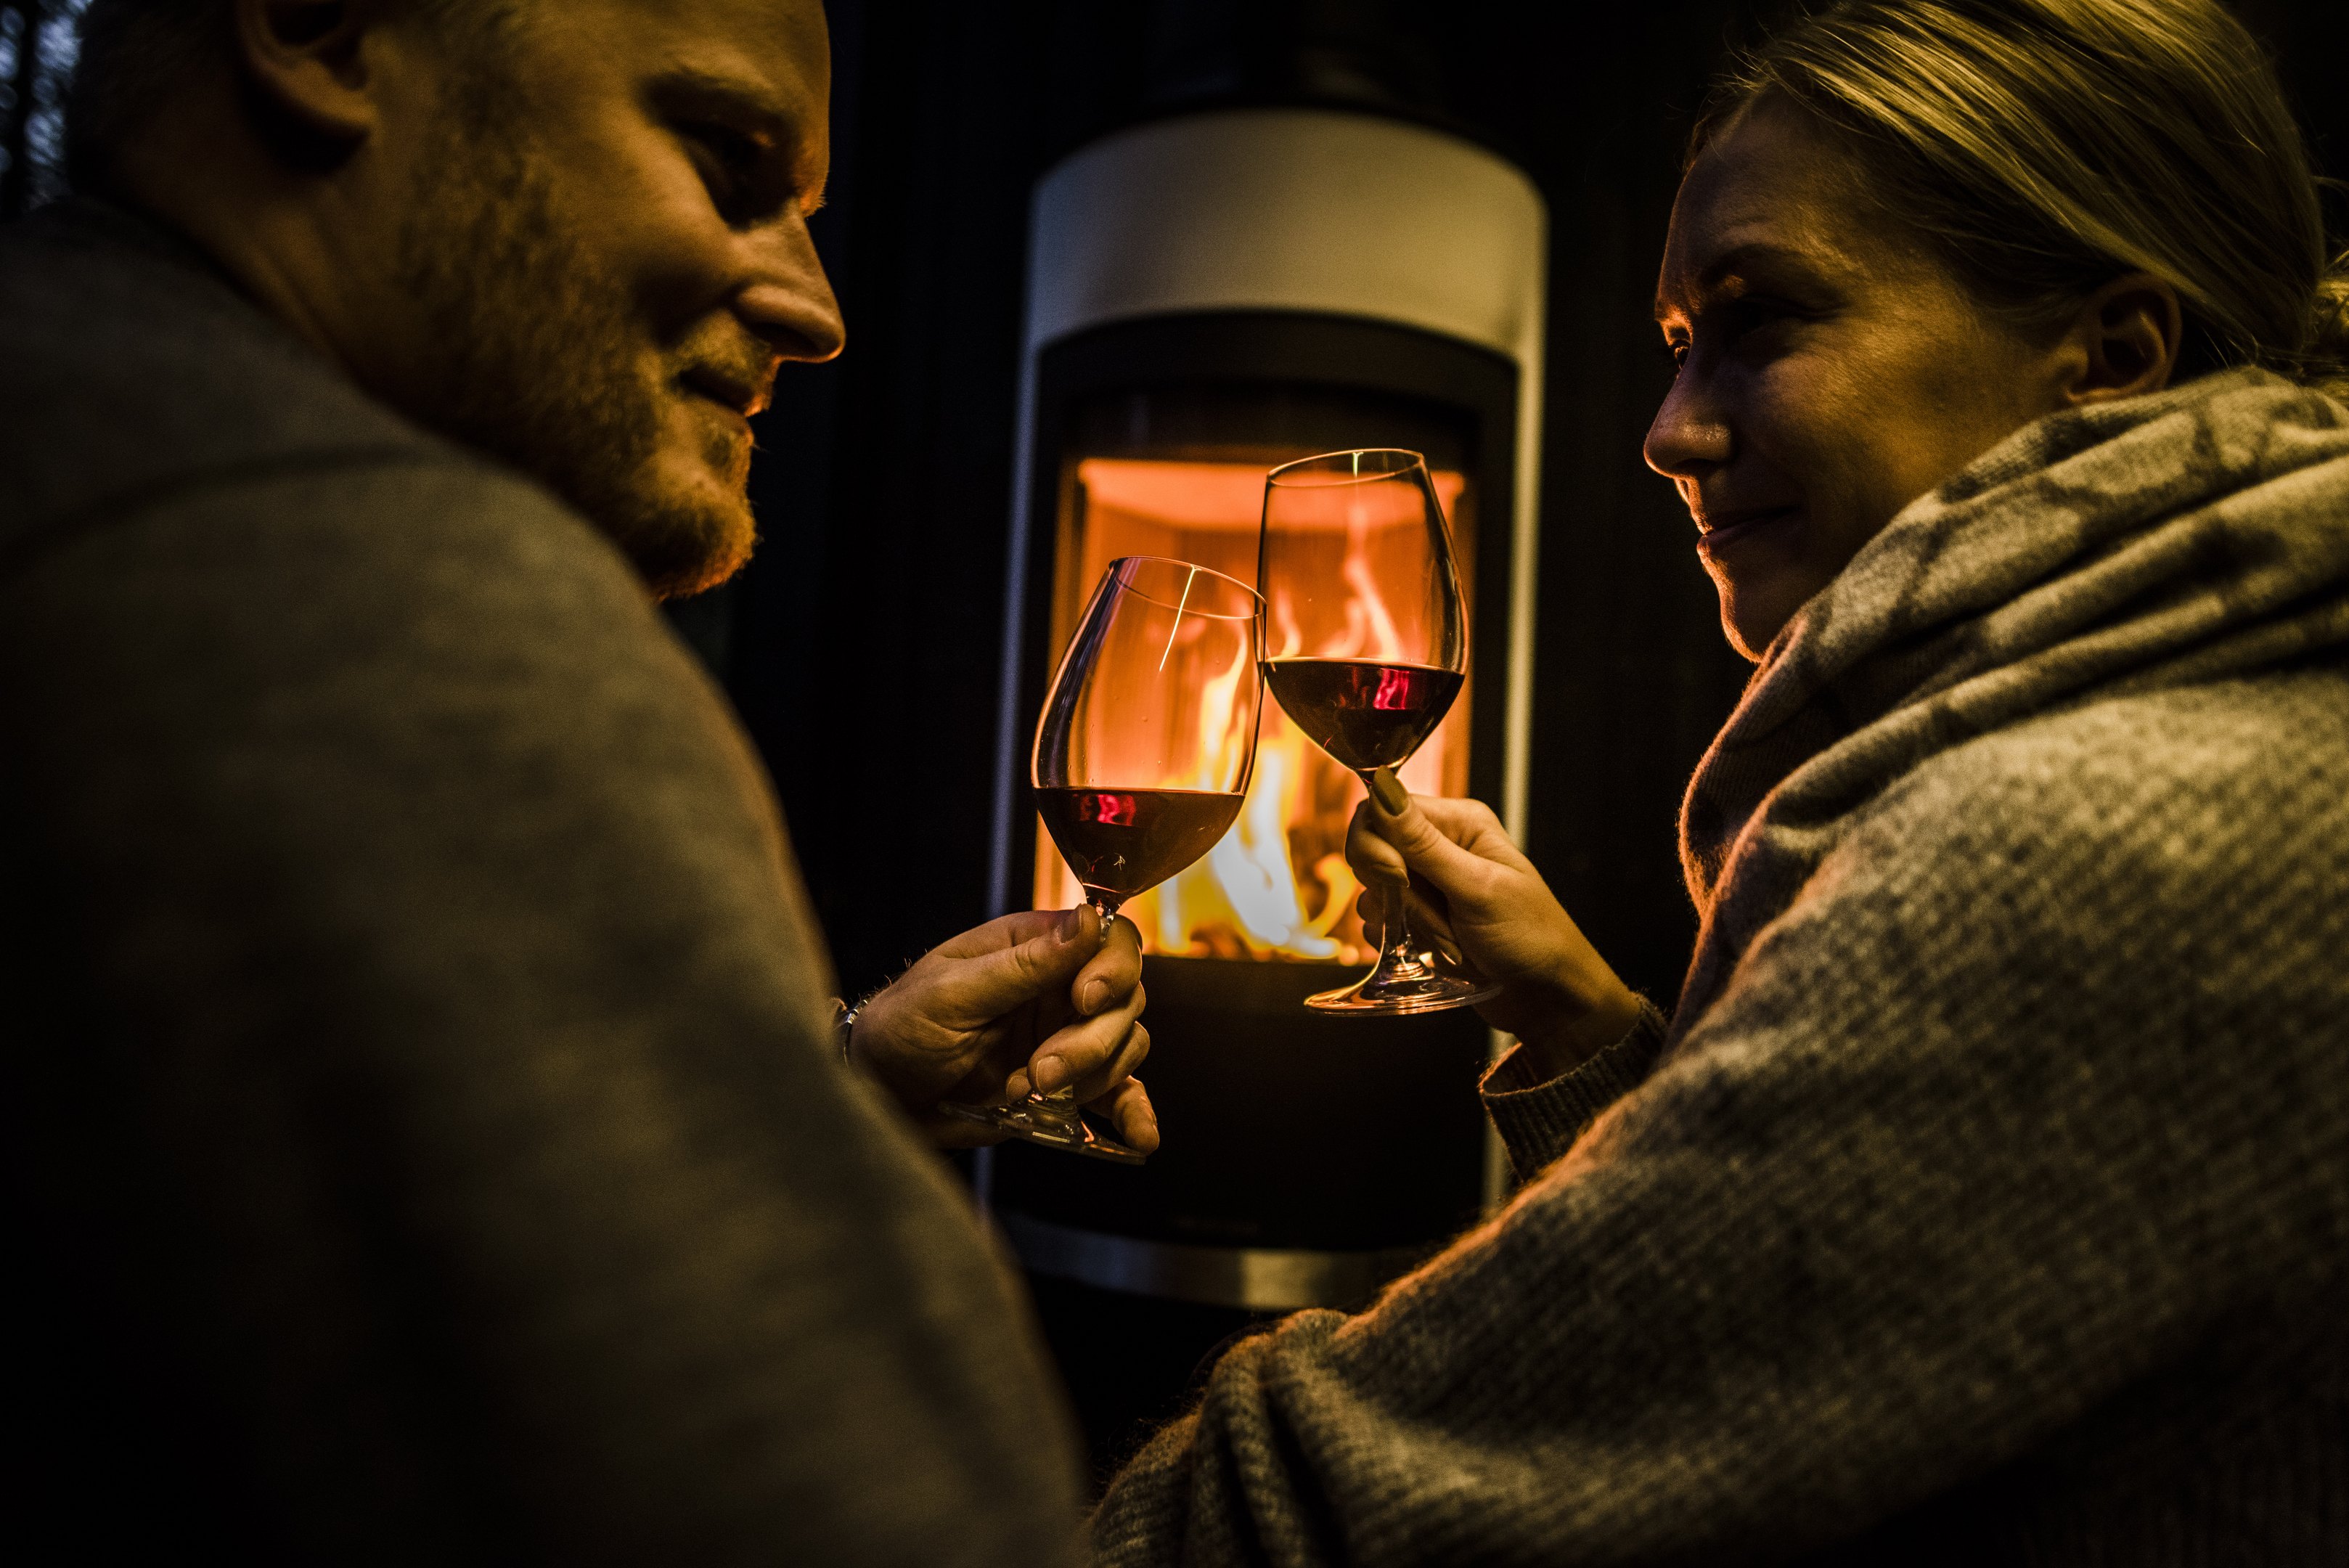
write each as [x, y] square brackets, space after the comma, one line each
[843, 1026]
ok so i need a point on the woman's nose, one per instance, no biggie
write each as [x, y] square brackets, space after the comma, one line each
[1687, 438]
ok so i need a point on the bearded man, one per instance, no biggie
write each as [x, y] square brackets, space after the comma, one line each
[429, 1131]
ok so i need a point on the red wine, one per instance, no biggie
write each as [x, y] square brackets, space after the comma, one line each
[1121, 841]
[1365, 714]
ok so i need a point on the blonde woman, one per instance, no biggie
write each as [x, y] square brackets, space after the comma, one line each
[1985, 1196]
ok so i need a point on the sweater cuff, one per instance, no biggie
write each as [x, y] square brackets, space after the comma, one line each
[1540, 1121]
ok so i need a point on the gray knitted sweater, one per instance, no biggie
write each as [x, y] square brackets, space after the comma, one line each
[1986, 1199]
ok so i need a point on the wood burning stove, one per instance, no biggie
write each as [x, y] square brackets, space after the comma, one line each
[1210, 296]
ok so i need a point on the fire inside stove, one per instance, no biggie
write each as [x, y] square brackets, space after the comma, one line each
[1276, 886]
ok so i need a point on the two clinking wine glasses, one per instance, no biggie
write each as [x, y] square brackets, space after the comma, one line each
[1148, 739]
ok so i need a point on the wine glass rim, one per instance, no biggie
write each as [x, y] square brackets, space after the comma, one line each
[1117, 569]
[1418, 460]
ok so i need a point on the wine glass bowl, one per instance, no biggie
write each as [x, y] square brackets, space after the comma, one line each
[1366, 644]
[1143, 757]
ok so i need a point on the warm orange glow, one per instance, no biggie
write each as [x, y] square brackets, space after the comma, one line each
[1276, 886]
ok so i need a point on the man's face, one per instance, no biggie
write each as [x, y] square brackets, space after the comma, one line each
[603, 258]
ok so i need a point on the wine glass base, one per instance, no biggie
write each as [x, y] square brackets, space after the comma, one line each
[1424, 991]
[1053, 1122]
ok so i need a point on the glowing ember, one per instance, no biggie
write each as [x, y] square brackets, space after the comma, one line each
[1276, 886]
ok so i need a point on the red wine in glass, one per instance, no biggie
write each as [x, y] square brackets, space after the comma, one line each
[1123, 842]
[1365, 714]
[1143, 757]
[1354, 564]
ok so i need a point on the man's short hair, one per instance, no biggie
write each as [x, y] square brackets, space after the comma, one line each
[135, 52]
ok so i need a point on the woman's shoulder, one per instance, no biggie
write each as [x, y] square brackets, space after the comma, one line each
[2243, 776]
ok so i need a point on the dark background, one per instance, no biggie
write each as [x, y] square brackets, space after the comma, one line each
[860, 644]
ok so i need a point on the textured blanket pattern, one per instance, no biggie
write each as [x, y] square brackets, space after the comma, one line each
[2125, 546]
[1988, 1198]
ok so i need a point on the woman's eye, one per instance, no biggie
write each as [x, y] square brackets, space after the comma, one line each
[1680, 353]
[1753, 314]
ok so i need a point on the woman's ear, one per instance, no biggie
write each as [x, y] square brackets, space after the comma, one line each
[304, 57]
[2125, 339]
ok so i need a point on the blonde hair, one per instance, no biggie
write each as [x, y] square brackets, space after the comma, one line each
[2045, 146]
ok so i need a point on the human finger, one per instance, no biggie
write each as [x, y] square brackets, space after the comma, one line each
[1112, 973]
[1127, 1109]
[1474, 828]
[1428, 912]
[1431, 928]
[1397, 818]
[1003, 932]
[1128, 1055]
[1377, 862]
[1084, 1051]
[987, 983]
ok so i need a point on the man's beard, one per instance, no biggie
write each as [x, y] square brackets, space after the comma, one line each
[529, 357]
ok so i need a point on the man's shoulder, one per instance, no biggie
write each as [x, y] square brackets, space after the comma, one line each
[130, 371]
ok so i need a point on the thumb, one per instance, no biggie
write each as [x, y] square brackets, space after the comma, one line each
[992, 983]
[1423, 846]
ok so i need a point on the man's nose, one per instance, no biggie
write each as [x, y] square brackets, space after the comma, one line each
[1687, 437]
[789, 301]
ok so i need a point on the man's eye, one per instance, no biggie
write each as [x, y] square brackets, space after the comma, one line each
[728, 162]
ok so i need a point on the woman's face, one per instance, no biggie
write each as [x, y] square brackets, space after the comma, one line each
[1831, 370]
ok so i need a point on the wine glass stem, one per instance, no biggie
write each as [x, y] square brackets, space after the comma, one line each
[1394, 930]
[1394, 947]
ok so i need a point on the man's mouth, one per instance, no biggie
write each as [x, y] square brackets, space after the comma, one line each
[744, 399]
[1719, 532]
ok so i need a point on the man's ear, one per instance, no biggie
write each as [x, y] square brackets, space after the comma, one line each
[2124, 340]
[303, 56]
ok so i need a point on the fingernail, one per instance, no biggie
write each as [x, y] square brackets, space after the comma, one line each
[1049, 1075]
[1015, 1088]
[1089, 1000]
[1388, 791]
[1074, 923]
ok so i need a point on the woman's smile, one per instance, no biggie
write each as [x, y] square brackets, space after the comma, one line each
[1723, 535]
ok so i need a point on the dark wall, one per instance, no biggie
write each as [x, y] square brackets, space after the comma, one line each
[863, 642]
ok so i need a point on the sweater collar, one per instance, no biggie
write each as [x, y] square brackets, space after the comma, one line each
[2096, 546]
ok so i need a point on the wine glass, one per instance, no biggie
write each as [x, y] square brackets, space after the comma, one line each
[1143, 757]
[1366, 647]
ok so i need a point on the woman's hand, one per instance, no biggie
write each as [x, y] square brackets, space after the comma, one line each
[1042, 998]
[1481, 905]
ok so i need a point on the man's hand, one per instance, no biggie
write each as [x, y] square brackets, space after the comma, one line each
[1038, 1000]
[1481, 904]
